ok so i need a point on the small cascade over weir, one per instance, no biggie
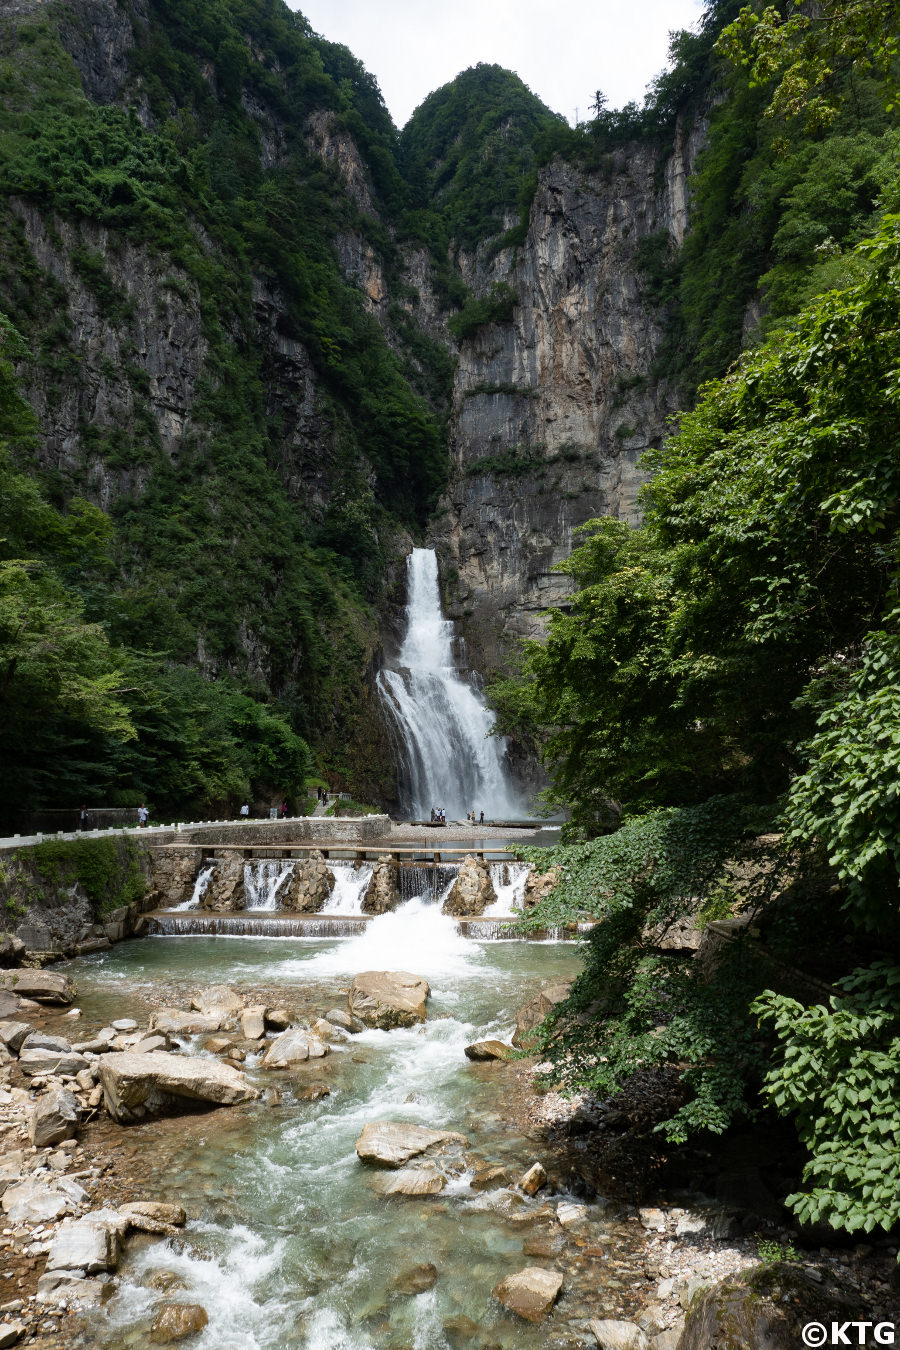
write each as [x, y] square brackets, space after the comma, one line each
[351, 881]
[448, 757]
[264, 879]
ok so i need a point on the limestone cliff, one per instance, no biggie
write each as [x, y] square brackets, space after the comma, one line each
[553, 409]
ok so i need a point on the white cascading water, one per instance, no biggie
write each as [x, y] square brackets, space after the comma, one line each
[450, 760]
[263, 881]
[509, 884]
[200, 885]
[351, 881]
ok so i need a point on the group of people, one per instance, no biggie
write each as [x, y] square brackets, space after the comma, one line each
[438, 815]
[470, 817]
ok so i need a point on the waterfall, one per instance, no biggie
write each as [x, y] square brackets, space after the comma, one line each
[449, 760]
[508, 880]
[351, 881]
[199, 890]
[263, 879]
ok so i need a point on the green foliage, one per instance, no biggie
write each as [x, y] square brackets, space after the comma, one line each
[771, 1252]
[809, 53]
[837, 1073]
[635, 1007]
[468, 154]
[494, 307]
[107, 869]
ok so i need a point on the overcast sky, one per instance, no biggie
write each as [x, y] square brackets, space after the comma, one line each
[564, 50]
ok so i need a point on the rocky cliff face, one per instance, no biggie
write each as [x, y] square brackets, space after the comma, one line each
[553, 409]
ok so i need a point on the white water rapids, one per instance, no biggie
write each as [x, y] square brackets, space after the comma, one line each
[443, 725]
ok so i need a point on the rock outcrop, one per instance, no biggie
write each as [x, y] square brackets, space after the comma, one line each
[225, 891]
[136, 1086]
[311, 884]
[764, 1308]
[383, 891]
[472, 891]
[386, 999]
[44, 986]
[539, 885]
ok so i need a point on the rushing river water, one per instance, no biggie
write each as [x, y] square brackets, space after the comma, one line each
[289, 1245]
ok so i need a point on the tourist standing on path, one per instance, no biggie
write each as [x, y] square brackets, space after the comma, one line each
[481, 818]
[143, 813]
[83, 818]
[245, 811]
[283, 810]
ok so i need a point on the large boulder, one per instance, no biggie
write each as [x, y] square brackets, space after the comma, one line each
[530, 1293]
[535, 1010]
[219, 1000]
[383, 891]
[613, 1334]
[225, 890]
[81, 1244]
[472, 891]
[136, 1086]
[293, 1047]
[53, 1118]
[390, 1143]
[253, 1022]
[34, 1201]
[411, 1181]
[311, 885]
[35, 1062]
[175, 1321]
[388, 998]
[44, 986]
[487, 1050]
[764, 1308]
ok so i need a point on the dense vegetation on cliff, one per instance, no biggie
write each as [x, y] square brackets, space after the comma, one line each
[722, 696]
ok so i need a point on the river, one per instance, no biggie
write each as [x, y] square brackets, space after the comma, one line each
[288, 1243]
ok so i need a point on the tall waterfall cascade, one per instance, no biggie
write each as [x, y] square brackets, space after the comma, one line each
[449, 758]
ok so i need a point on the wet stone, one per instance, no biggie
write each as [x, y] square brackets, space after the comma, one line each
[417, 1279]
[176, 1321]
[530, 1293]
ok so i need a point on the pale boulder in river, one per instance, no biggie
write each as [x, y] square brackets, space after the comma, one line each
[388, 998]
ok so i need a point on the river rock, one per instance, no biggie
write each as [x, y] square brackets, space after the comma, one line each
[69, 1287]
[531, 1293]
[136, 1086]
[148, 1044]
[124, 1024]
[153, 1216]
[11, 1333]
[391, 1144]
[388, 999]
[532, 1181]
[32, 1201]
[611, 1334]
[219, 1000]
[279, 1019]
[225, 890]
[341, 1019]
[12, 1034]
[253, 1022]
[383, 891]
[82, 1245]
[44, 986]
[489, 1178]
[175, 1321]
[184, 1023]
[411, 1181]
[293, 1047]
[416, 1280]
[53, 1118]
[763, 1308]
[42, 1040]
[536, 1010]
[472, 891]
[311, 884]
[539, 885]
[34, 1062]
[484, 1050]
